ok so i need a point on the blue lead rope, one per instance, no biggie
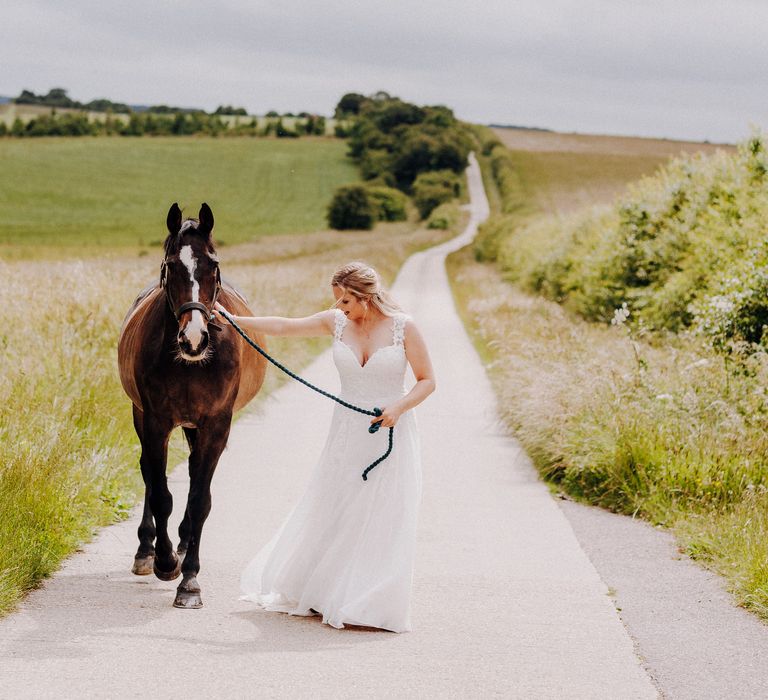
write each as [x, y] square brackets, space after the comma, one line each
[374, 427]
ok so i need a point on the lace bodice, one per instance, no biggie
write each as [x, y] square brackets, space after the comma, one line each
[381, 377]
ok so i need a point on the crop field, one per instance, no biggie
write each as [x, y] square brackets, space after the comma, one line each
[566, 172]
[536, 141]
[97, 195]
[70, 455]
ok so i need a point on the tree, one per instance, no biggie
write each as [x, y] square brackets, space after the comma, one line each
[229, 109]
[349, 104]
[433, 188]
[351, 208]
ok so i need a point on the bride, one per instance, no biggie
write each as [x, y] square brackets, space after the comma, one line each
[346, 551]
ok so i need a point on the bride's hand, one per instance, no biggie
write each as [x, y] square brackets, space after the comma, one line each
[389, 417]
[218, 308]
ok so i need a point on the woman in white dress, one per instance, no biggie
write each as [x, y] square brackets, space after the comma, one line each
[346, 551]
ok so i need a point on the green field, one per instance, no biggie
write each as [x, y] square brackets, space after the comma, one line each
[89, 194]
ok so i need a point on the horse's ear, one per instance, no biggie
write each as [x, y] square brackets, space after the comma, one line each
[205, 220]
[173, 222]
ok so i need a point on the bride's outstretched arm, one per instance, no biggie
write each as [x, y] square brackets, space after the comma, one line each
[418, 357]
[318, 324]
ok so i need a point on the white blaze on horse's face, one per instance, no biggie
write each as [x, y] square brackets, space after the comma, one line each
[196, 325]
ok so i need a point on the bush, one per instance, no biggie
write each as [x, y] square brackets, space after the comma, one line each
[374, 163]
[735, 317]
[444, 216]
[351, 208]
[433, 188]
[388, 203]
[283, 132]
[341, 130]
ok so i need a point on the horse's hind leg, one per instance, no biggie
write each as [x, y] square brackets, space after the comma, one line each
[209, 444]
[154, 453]
[145, 555]
[184, 527]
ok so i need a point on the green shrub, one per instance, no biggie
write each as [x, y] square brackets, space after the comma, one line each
[444, 216]
[283, 132]
[351, 208]
[433, 188]
[489, 236]
[388, 203]
[340, 131]
[735, 317]
[374, 163]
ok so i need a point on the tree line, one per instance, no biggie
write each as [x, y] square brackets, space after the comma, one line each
[156, 120]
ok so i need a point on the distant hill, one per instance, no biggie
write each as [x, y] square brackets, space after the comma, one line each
[521, 128]
[4, 100]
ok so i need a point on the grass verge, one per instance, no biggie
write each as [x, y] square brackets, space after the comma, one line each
[652, 428]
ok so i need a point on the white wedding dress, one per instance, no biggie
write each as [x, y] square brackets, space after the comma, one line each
[346, 551]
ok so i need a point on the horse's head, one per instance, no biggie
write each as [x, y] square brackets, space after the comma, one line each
[191, 279]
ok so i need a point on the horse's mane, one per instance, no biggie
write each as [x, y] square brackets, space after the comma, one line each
[171, 244]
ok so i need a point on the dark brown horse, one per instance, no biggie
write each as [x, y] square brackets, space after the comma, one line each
[181, 369]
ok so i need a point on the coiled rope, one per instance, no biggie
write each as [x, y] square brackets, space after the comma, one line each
[375, 412]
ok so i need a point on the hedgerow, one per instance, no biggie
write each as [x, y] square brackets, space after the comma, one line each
[668, 248]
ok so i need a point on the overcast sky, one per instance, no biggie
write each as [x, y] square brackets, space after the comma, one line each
[695, 69]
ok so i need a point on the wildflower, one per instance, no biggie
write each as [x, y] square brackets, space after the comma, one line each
[722, 304]
[620, 315]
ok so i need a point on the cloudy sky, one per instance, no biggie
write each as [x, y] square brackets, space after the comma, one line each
[695, 69]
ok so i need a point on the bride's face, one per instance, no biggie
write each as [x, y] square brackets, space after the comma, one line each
[352, 307]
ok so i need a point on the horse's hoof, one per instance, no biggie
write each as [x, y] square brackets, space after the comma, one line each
[189, 600]
[168, 575]
[143, 566]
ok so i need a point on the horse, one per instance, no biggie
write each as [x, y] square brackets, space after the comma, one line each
[179, 368]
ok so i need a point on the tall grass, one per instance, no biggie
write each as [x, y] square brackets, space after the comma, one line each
[70, 454]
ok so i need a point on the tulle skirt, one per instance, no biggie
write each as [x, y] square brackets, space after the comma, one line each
[346, 550]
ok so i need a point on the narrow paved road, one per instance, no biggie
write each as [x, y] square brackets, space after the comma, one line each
[506, 603]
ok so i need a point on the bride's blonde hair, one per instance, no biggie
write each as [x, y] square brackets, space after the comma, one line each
[363, 282]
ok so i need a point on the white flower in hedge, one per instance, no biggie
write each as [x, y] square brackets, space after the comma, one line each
[620, 315]
[722, 304]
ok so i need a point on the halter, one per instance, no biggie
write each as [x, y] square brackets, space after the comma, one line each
[191, 305]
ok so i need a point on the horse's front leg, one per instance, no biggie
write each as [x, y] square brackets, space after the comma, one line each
[154, 454]
[209, 444]
[143, 562]
[184, 527]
